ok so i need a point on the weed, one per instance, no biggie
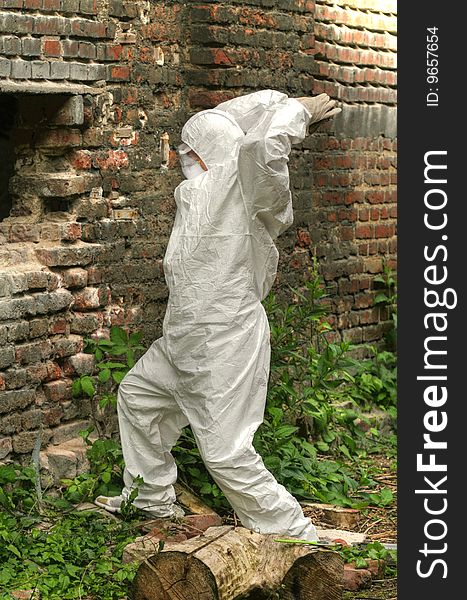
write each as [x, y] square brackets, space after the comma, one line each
[61, 553]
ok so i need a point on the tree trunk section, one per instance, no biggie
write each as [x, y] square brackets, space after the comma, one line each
[229, 563]
[194, 505]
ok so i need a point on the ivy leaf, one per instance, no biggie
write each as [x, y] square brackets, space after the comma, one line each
[130, 358]
[360, 563]
[87, 385]
[386, 496]
[135, 338]
[15, 550]
[76, 388]
[111, 365]
[118, 350]
[104, 375]
[344, 450]
[118, 335]
[118, 376]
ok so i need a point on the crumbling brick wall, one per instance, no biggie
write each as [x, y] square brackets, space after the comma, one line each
[96, 92]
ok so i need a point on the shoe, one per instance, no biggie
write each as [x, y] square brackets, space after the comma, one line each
[113, 504]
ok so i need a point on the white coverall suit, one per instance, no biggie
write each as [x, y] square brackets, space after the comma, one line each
[210, 369]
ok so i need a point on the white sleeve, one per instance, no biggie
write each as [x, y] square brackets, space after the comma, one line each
[249, 109]
[262, 165]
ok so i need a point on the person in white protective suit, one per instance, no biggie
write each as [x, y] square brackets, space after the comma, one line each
[210, 368]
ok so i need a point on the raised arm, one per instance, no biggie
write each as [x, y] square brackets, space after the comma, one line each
[262, 168]
[249, 109]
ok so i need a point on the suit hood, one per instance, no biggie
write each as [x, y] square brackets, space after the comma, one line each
[214, 135]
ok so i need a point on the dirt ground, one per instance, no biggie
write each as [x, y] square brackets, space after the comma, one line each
[379, 524]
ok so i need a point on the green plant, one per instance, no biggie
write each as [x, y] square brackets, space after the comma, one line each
[105, 476]
[311, 438]
[101, 387]
[376, 381]
[387, 298]
[360, 555]
[62, 553]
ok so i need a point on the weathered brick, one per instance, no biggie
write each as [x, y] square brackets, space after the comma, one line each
[85, 323]
[31, 419]
[125, 8]
[118, 73]
[67, 432]
[67, 346]
[50, 5]
[81, 363]
[52, 301]
[17, 308]
[71, 112]
[24, 442]
[59, 324]
[58, 391]
[69, 6]
[96, 71]
[18, 331]
[11, 23]
[7, 356]
[5, 67]
[37, 280]
[21, 69]
[33, 352]
[88, 29]
[11, 45]
[44, 371]
[59, 70]
[46, 25]
[76, 255]
[78, 71]
[70, 48]
[16, 400]
[15, 379]
[40, 69]
[11, 4]
[10, 424]
[53, 138]
[74, 278]
[32, 4]
[38, 328]
[51, 47]
[91, 298]
[6, 446]
[87, 50]
[88, 7]
[53, 416]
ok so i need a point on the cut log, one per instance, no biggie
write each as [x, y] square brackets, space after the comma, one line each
[227, 563]
[342, 518]
[191, 502]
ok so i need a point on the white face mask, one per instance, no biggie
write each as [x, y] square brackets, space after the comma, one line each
[190, 167]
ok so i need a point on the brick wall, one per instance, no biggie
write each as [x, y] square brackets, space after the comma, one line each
[353, 199]
[93, 94]
[344, 176]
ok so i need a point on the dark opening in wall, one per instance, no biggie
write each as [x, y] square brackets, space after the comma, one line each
[37, 132]
[8, 113]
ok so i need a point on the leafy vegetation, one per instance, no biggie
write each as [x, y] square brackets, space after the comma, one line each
[59, 552]
[315, 438]
[101, 388]
[318, 439]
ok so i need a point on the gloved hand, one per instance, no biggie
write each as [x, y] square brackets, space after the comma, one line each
[321, 107]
